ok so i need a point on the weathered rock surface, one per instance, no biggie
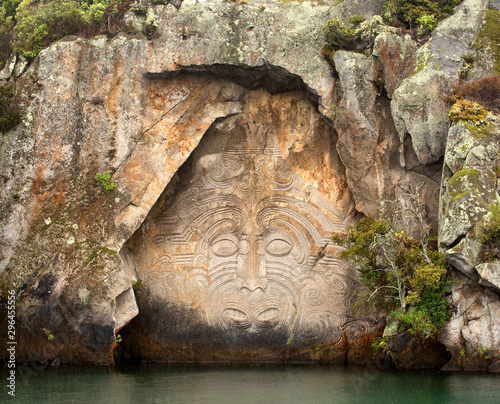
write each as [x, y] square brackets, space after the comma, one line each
[378, 167]
[8, 69]
[473, 333]
[419, 105]
[254, 34]
[469, 188]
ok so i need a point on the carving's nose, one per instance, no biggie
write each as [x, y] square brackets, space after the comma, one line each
[253, 269]
[251, 282]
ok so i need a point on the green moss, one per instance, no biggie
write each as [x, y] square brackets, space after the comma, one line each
[421, 63]
[94, 255]
[463, 182]
[482, 131]
[490, 35]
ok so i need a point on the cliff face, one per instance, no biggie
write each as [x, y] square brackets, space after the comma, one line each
[236, 151]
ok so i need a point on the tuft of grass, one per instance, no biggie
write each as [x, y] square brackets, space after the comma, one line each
[468, 111]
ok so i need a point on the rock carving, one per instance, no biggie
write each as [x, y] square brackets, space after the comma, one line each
[244, 253]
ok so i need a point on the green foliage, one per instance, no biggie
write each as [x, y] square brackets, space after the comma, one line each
[97, 10]
[419, 324]
[412, 13]
[356, 19]
[340, 36]
[136, 285]
[104, 179]
[427, 23]
[40, 22]
[9, 112]
[380, 344]
[49, 335]
[8, 8]
[406, 276]
[489, 229]
[469, 111]
[27, 26]
[425, 280]
[7, 22]
[361, 240]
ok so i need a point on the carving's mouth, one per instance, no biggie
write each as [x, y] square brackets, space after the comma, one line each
[261, 318]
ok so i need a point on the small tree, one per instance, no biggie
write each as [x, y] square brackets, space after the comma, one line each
[401, 272]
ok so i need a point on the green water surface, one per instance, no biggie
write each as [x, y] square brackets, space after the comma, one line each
[248, 384]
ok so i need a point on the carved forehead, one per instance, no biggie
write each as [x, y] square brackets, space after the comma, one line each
[248, 189]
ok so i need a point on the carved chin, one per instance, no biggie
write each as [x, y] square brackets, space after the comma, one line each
[252, 311]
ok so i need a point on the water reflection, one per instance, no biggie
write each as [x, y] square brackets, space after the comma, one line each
[249, 384]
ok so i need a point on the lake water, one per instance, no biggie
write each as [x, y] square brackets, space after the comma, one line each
[248, 384]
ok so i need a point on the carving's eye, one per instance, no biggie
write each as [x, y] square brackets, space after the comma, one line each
[278, 247]
[236, 315]
[268, 315]
[224, 247]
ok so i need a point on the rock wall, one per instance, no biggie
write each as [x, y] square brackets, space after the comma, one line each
[177, 117]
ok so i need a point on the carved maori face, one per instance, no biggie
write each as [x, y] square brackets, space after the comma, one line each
[241, 253]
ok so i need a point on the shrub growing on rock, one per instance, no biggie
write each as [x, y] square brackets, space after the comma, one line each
[42, 22]
[9, 112]
[484, 91]
[7, 13]
[358, 37]
[339, 35]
